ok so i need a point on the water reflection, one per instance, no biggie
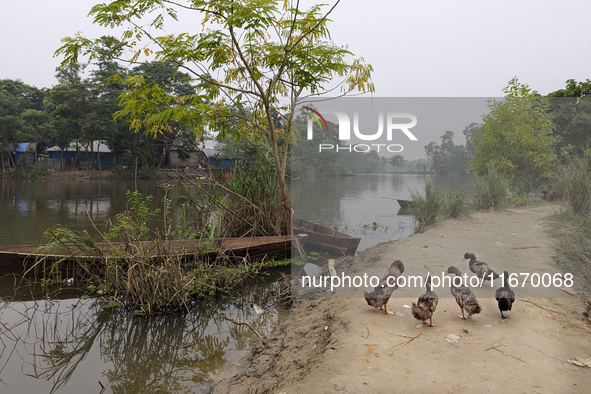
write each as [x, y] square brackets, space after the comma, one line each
[70, 345]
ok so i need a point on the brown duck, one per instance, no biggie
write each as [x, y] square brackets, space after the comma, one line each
[379, 297]
[480, 268]
[426, 305]
[464, 296]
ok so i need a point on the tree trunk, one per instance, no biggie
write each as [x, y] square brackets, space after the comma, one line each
[114, 161]
[279, 170]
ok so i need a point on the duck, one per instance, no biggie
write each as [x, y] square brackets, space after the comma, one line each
[426, 305]
[505, 296]
[480, 268]
[379, 297]
[464, 296]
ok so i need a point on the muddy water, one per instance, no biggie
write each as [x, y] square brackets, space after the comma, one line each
[363, 205]
[69, 345]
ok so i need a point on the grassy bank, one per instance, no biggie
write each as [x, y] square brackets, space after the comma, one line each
[572, 233]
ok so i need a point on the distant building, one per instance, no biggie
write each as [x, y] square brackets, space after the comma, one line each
[77, 154]
[20, 151]
[206, 155]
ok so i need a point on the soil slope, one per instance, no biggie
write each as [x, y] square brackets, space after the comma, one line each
[343, 345]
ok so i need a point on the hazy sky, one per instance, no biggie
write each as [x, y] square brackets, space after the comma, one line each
[418, 48]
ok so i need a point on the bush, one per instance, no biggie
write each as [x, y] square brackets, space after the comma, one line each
[28, 170]
[426, 208]
[572, 182]
[491, 191]
[455, 203]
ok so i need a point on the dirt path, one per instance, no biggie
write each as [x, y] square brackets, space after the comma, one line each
[363, 350]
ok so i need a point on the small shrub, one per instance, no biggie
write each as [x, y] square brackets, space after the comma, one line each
[455, 203]
[572, 182]
[491, 191]
[426, 208]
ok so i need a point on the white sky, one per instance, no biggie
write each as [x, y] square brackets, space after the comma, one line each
[418, 48]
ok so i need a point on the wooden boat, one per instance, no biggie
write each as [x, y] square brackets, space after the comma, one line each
[326, 238]
[18, 259]
[404, 204]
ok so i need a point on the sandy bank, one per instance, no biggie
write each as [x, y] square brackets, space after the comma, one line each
[344, 345]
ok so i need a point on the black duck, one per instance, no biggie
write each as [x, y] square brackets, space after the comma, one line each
[425, 306]
[379, 297]
[480, 268]
[505, 296]
[463, 295]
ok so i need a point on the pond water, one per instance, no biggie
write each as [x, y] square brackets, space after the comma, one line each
[68, 344]
[364, 205]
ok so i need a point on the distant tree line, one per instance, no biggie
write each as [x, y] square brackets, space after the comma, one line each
[82, 110]
[523, 135]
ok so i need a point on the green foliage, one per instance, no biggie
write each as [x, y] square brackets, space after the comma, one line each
[16, 99]
[251, 64]
[248, 204]
[455, 203]
[397, 161]
[572, 182]
[516, 135]
[361, 163]
[427, 207]
[133, 223]
[447, 158]
[571, 113]
[305, 158]
[31, 171]
[147, 277]
[572, 233]
[490, 191]
[313, 256]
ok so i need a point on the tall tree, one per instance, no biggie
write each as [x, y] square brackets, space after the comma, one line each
[15, 97]
[516, 135]
[69, 103]
[36, 127]
[397, 161]
[571, 112]
[259, 55]
[447, 158]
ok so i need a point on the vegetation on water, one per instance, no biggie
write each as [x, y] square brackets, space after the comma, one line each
[146, 274]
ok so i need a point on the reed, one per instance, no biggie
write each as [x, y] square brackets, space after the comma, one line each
[571, 181]
[143, 272]
[456, 204]
[490, 191]
[427, 206]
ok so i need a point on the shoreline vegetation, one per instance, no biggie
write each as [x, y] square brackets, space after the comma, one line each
[146, 283]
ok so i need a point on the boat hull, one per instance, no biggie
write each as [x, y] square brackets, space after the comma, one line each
[326, 238]
[18, 259]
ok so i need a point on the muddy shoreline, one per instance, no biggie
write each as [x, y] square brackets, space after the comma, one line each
[341, 344]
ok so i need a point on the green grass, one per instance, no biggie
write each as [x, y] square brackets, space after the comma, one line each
[572, 233]
[427, 206]
[490, 191]
[572, 182]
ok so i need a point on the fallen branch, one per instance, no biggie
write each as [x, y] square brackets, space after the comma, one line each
[405, 343]
[242, 323]
[494, 347]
